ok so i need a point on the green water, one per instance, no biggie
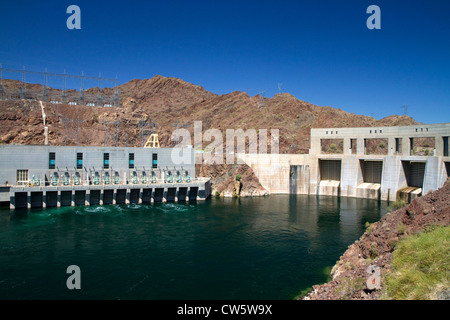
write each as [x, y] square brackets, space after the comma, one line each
[250, 248]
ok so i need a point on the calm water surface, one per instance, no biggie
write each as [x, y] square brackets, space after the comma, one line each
[250, 248]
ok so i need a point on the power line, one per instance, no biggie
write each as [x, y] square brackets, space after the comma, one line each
[54, 95]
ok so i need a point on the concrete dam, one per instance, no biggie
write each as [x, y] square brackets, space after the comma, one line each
[404, 170]
[341, 162]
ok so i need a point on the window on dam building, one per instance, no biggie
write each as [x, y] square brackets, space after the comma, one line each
[378, 146]
[51, 160]
[131, 161]
[445, 141]
[422, 146]
[332, 146]
[155, 161]
[106, 161]
[22, 177]
[79, 161]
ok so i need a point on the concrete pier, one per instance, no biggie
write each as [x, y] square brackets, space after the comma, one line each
[49, 196]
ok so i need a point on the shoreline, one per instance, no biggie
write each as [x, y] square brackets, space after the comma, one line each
[376, 246]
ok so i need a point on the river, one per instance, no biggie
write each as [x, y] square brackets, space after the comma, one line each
[220, 249]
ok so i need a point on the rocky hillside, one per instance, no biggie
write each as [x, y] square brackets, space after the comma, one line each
[168, 101]
[171, 100]
[377, 244]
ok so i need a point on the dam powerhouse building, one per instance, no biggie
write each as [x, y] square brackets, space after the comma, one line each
[51, 176]
[339, 163]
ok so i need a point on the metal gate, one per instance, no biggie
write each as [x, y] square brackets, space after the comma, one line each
[372, 171]
[416, 174]
[330, 170]
[293, 179]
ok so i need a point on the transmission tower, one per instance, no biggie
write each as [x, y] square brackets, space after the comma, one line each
[280, 87]
[112, 132]
[405, 110]
[71, 130]
[147, 128]
[262, 100]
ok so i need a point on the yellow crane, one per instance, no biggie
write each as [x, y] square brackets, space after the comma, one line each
[152, 141]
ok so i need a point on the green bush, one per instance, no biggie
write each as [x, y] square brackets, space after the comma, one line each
[369, 227]
[420, 266]
[397, 204]
[401, 228]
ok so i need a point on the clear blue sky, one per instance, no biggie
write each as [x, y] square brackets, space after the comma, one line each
[321, 51]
